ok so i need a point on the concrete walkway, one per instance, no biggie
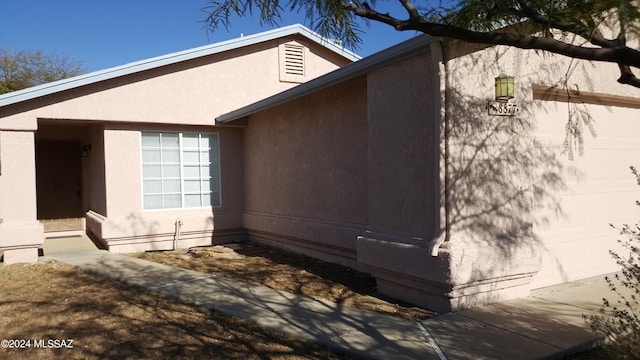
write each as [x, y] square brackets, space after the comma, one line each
[546, 325]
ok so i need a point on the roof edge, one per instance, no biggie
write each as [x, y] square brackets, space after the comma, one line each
[168, 59]
[380, 59]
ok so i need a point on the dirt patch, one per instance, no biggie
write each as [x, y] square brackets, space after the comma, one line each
[283, 270]
[106, 319]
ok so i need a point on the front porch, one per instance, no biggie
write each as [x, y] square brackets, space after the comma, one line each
[51, 176]
[69, 244]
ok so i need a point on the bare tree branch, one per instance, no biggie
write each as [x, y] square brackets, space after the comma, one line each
[613, 51]
[413, 12]
[533, 23]
[593, 36]
[627, 77]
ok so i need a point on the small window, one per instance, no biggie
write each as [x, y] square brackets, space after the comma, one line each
[180, 170]
[292, 62]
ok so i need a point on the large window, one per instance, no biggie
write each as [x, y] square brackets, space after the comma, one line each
[180, 170]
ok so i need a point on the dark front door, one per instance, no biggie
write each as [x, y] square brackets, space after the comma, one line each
[59, 185]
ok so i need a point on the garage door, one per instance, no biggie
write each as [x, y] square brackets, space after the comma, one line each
[599, 189]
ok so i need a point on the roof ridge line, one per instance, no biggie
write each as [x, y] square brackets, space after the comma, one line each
[169, 59]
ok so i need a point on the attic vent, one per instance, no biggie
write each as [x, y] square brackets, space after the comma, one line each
[292, 62]
[294, 59]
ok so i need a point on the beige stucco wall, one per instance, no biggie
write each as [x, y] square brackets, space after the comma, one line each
[566, 205]
[306, 172]
[301, 194]
[344, 156]
[20, 233]
[520, 213]
[412, 162]
[403, 165]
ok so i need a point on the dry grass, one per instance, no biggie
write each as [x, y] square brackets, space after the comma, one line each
[299, 274]
[107, 319]
[609, 352]
[283, 270]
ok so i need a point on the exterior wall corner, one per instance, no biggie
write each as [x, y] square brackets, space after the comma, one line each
[465, 274]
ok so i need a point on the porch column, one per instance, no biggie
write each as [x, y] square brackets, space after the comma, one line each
[20, 232]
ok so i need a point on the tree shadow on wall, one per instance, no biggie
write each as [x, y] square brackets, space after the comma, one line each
[498, 175]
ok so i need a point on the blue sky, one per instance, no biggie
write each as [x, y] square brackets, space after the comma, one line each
[102, 34]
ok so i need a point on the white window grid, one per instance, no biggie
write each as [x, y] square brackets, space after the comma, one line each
[186, 175]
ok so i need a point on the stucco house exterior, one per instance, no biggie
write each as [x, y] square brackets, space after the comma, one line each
[390, 164]
[109, 152]
[394, 165]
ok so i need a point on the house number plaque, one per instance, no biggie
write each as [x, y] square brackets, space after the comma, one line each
[502, 109]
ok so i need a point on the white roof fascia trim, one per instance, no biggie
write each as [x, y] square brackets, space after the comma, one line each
[173, 58]
[385, 57]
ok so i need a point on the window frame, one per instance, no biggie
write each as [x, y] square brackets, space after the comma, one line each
[215, 174]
